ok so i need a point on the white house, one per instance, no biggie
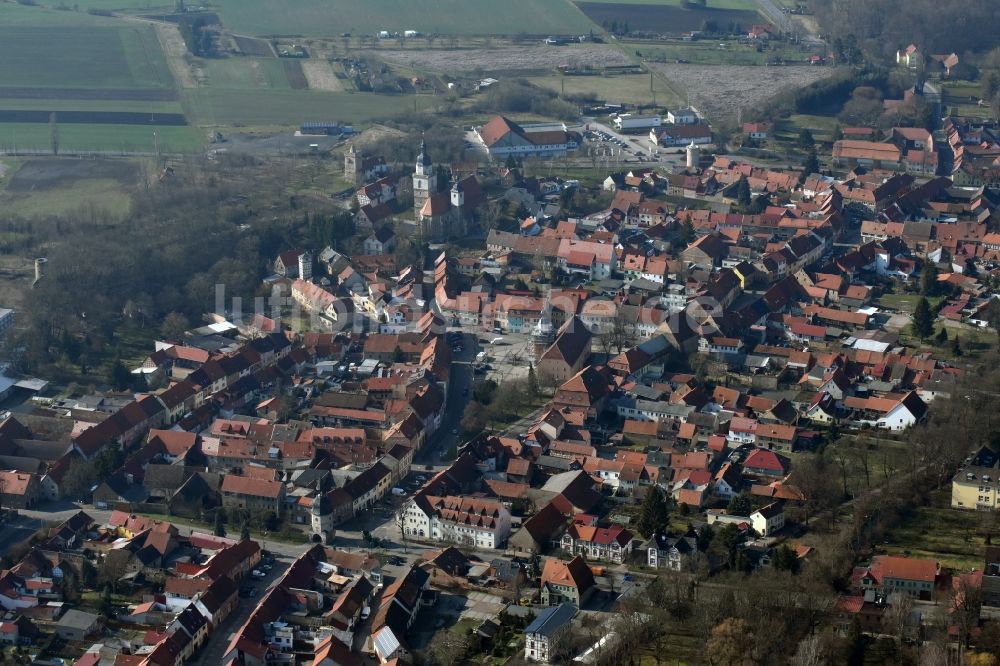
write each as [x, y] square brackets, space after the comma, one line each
[463, 520]
[683, 116]
[909, 411]
[768, 519]
[538, 636]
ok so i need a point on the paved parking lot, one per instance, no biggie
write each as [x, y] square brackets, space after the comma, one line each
[508, 358]
[482, 606]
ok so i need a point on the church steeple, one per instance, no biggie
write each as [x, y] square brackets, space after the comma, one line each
[423, 159]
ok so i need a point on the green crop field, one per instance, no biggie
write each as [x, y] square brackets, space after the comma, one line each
[246, 73]
[282, 108]
[94, 137]
[81, 57]
[324, 18]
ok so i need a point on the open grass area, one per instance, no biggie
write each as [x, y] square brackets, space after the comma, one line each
[822, 127]
[707, 52]
[110, 138]
[632, 89]
[953, 537]
[319, 18]
[283, 108]
[100, 194]
[82, 57]
[905, 302]
[749, 5]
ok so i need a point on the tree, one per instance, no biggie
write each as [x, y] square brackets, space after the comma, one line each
[726, 544]
[941, 337]
[966, 606]
[740, 505]
[54, 133]
[654, 515]
[245, 531]
[811, 164]
[88, 574]
[79, 478]
[220, 523]
[806, 142]
[174, 326]
[532, 381]
[400, 520]
[929, 279]
[923, 319]
[109, 461]
[785, 559]
[743, 192]
[398, 355]
[731, 643]
[956, 346]
[121, 377]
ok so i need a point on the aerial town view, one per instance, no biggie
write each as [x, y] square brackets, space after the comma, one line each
[467, 333]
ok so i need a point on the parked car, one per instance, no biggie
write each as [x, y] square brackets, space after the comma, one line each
[257, 573]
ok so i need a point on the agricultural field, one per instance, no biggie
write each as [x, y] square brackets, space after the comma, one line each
[745, 5]
[280, 109]
[101, 138]
[666, 18]
[503, 59]
[720, 91]
[82, 57]
[320, 18]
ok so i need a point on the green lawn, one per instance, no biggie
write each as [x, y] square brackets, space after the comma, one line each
[81, 57]
[284, 108]
[631, 88]
[953, 537]
[87, 137]
[905, 302]
[101, 194]
[822, 127]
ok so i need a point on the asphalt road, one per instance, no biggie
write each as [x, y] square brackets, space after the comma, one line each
[448, 434]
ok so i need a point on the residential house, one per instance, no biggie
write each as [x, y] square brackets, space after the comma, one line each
[566, 582]
[612, 544]
[540, 634]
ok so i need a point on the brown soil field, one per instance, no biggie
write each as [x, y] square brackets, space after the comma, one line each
[296, 77]
[666, 19]
[720, 91]
[502, 59]
[252, 46]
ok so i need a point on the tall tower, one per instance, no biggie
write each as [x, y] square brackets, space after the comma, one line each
[306, 266]
[351, 165]
[424, 179]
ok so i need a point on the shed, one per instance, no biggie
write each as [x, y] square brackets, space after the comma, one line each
[76, 625]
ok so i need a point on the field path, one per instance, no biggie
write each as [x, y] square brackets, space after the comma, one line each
[175, 51]
[320, 76]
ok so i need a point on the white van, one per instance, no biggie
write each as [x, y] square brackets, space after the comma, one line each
[495, 341]
[399, 492]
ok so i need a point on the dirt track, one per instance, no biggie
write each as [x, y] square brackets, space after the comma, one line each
[720, 91]
[320, 76]
[503, 58]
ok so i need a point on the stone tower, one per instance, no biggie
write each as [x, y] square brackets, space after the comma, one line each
[351, 164]
[424, 179]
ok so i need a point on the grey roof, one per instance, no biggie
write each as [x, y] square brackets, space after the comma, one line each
[78, 619]
[551, 620]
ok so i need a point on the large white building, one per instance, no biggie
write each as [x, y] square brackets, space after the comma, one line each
[502, 137]
[481, 523]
